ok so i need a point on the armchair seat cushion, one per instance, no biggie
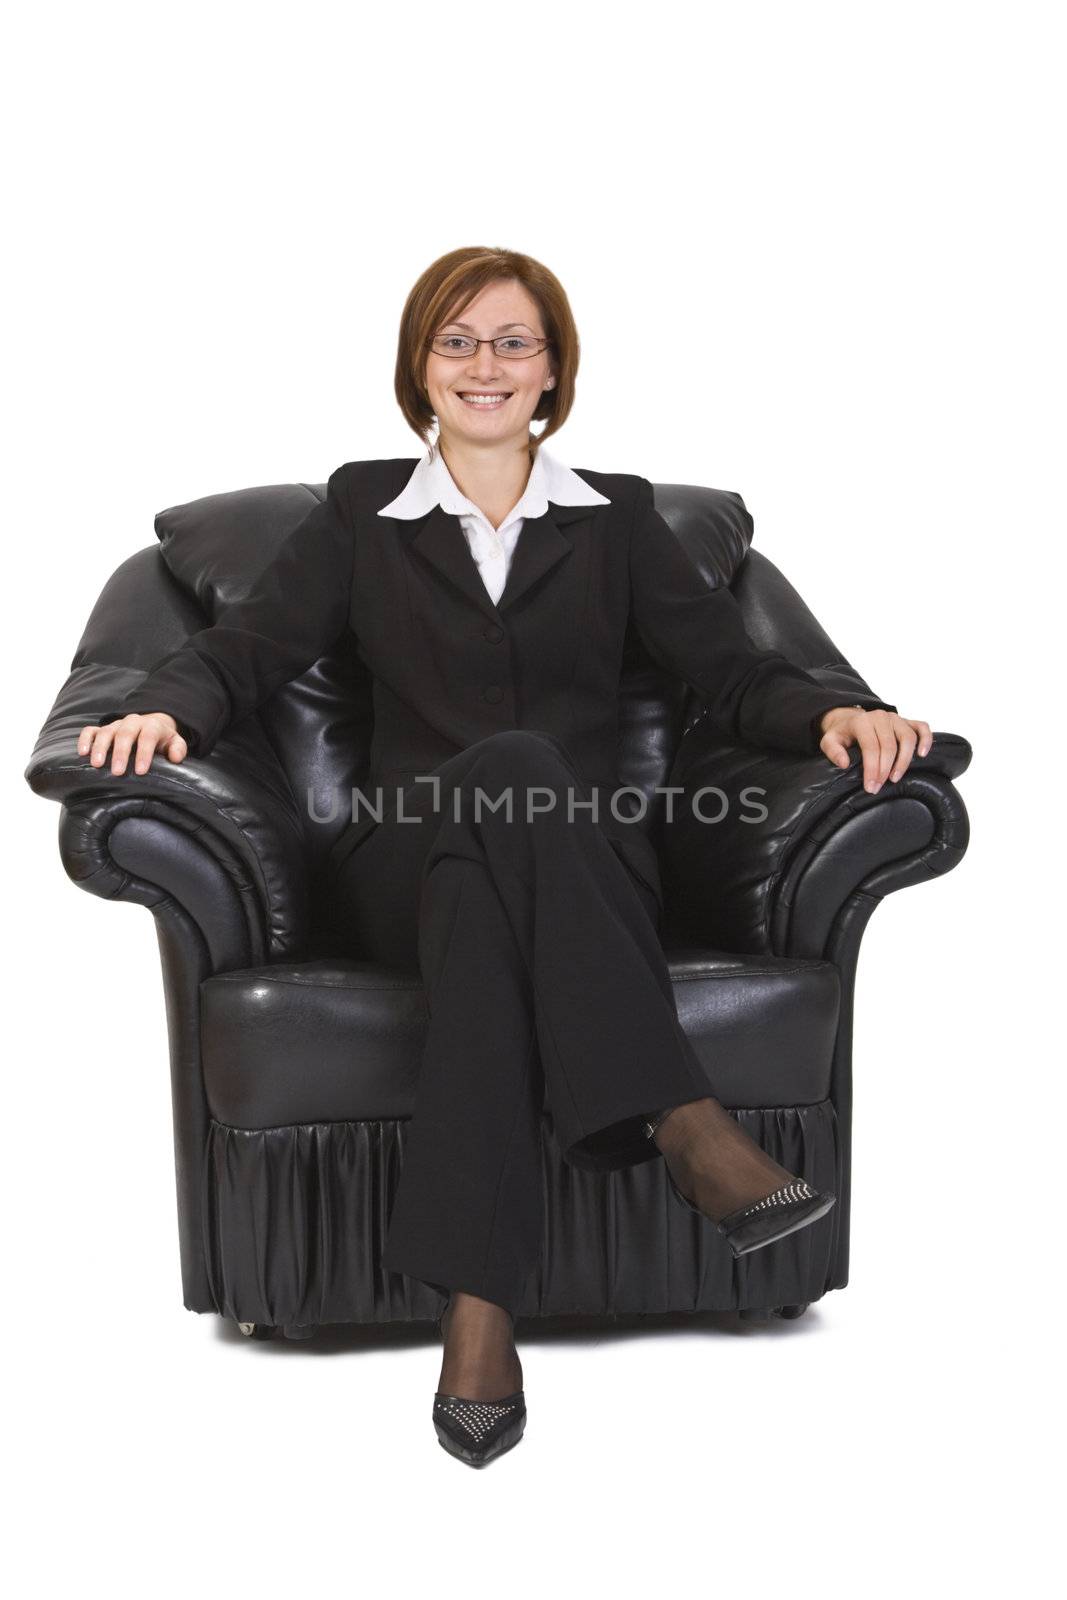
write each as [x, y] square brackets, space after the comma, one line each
[340, 1040]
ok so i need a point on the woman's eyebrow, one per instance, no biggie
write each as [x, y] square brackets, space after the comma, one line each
[502, 328]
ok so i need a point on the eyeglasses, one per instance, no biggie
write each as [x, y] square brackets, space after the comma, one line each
[510, 346]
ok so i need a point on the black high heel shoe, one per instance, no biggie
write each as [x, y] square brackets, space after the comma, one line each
[764, 1221]
[477, 1431]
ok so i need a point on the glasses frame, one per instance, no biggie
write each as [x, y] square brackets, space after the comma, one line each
[470, 355]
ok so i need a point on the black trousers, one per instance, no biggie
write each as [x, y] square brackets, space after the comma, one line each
[546, 983]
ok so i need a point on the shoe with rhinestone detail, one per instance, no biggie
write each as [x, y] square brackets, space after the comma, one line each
[477, 1431]
[764, 1221]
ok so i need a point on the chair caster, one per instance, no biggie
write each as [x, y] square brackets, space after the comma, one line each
[755, 1314]
[790, 1313]
[256, 1330]
[300, 1330]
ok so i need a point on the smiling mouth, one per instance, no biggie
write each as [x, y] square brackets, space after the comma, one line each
[483, 400]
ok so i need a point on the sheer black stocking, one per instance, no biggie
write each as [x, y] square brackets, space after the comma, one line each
[714, 1162]
[480, 1360]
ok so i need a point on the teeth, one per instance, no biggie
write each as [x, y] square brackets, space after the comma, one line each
[483, 400]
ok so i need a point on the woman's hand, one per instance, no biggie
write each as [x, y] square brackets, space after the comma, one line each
[886, 741]
[150, 729]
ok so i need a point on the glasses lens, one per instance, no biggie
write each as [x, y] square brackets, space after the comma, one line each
[454, 344]
[516, 345]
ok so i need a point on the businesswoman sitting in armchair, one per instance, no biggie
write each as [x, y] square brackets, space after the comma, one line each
[489, 589]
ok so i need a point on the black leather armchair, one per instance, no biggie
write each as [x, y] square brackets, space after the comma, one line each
[294, 1062]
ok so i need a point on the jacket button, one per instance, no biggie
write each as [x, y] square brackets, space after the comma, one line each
[493, 694]
[494, 634]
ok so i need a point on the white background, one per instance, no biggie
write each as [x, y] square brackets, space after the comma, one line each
[812, 252]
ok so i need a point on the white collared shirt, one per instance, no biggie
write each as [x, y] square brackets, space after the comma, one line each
[432, 484]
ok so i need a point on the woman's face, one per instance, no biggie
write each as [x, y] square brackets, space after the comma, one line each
[501, 308]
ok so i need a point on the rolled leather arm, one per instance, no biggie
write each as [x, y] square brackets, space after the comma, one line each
[786, 839]
[235, 804]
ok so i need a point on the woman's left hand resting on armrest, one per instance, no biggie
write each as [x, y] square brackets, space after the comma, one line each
[887, 742]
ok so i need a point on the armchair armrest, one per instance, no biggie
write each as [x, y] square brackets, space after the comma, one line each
[221, 834]
[796, 837]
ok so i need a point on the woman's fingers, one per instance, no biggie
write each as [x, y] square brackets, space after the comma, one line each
[906, 742]
[145, 730]
[176, 748]
[925, 737]
[875, 748]
[101, 744]
[121, 745]
[146, 740]
[835, 747]
[886, 742]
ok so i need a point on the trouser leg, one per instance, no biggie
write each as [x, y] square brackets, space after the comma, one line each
[467, 1213]
[534, 927]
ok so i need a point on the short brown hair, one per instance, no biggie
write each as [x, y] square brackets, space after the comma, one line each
[444, 290]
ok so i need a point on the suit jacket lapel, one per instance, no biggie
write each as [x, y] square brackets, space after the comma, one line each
[543, 543]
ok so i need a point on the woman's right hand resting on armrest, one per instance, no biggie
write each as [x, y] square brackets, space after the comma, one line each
[150, 731]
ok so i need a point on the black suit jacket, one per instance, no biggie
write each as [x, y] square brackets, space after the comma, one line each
[450, 667]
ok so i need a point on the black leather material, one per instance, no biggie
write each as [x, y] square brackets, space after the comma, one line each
[238, 803]
[342, 1040]
[762, 926]
[778, 884]
[297, 1216]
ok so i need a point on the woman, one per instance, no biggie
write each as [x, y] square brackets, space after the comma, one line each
[538, 942]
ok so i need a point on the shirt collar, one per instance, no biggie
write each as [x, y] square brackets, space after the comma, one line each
[432, 484]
